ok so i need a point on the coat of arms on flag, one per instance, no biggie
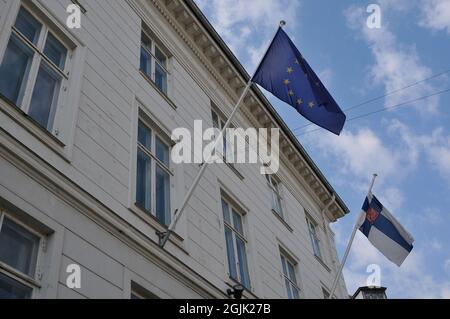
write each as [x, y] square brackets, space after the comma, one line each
[385, 232]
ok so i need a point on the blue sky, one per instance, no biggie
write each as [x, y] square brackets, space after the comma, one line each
[409, 147]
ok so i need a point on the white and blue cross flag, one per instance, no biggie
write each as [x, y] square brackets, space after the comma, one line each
[385, 232]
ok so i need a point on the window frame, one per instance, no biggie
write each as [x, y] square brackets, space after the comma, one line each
[154, 60]
[313, 227]
[287, 261]
[226, 144]
[155, 162]
[32, 282]
[38, 60]
[276, 194]
[235, 233]
[61, 139]
[140, 292]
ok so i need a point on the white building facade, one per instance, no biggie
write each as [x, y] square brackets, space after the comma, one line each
[86, 180]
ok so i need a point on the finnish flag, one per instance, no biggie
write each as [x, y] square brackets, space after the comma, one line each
[385, 232]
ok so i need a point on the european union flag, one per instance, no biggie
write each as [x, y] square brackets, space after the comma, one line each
[286, 74]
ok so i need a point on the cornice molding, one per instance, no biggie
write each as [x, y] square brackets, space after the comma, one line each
[196, 37]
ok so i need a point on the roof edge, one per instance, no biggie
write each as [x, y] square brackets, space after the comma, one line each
[237, 64]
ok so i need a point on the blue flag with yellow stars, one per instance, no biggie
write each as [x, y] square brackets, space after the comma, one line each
[286, 74]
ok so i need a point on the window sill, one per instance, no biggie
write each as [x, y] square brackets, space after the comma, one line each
[151, 220]
[163, 95]
[26, 122]
[282, 221]
[232, 167]
[8, 271]
[322, 263]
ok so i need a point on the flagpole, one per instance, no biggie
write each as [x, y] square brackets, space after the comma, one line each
[164, 236]
[358, 224]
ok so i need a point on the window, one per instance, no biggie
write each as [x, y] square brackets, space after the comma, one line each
[219, 123]
[34, 69]
[19, 248]
[236, 244]
[153, 62]
[153, 174]
[289, 277]
[274, 186]
[312, 226]
[138, 292]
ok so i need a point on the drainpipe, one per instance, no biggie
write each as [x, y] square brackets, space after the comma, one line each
[325, 226]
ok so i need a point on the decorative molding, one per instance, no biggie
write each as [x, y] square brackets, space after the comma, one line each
[230, 80]
[66, 190]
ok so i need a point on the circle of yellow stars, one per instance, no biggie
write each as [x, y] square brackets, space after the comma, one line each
[299, 101]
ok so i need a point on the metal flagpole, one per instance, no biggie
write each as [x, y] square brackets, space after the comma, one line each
[358, 224]
[164, 236]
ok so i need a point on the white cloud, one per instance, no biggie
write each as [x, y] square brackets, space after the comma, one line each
[411, 280]
[362, 153]
[440, 156]
[435, 245]
[431, 217]
[436, 15]
[392, 198]
[447, 265]
[326, 76]
[238, 22]
[396, 65]
[435, 146]
[398, 5]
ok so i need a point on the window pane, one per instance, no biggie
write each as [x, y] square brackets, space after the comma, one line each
[11, 289]
[55, 51]
[160, 78]
[243, 267]
[143, 181]
[315, 244]
[28, 25]
[225, 141]
[230, 253]
[283, 262]
[215, 119]
[288, 288]
[162, 151]
[312, 227]
[291, 273]
[226, 211]
[18, 247]
[45, 96]
[145, 136]
[295, 293]
[14, 70]
[135, 296]
[160, 57]
[276, 203]
[237, 222]
[146, 63]
[162, 196]
[146, 42]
